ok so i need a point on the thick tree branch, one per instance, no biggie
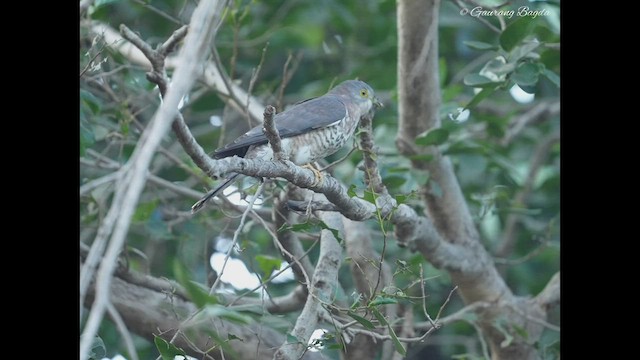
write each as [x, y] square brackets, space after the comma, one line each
[321, 290]
[148, 312]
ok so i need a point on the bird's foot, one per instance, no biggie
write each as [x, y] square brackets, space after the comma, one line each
[316, 172]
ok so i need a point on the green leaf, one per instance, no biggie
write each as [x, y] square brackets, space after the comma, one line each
[402, 198]
[479, 45]
[333, 231]
[477, 80]
[302, 227]
[442, 67]
[381, 300]
[366, 323]
[398, 345]
[516, 32]
[522, 51]
[87, 138]
[399, 169]
[90, 101]
[529, 89]
[378, 315]
[167, 350]
[394, 182]
[144, 211]
[421, 157]
[369, 196]
[522, 332]
[219, 341]
[268, 264]
[220, 311]
[553, 77]
[312, 228]
[544, 34]
[433, 137]
[98, 349]
[196, 292]
[479, 97]
[508, 338]
[352, 191]
[526, 74]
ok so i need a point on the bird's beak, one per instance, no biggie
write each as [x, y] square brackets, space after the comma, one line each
[377, 103]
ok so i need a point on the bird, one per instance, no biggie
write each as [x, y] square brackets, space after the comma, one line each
[309, 130]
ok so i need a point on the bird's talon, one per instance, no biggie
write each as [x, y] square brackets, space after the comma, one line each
[318, 175]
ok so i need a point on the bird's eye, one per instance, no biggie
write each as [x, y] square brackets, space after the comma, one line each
[364, 93]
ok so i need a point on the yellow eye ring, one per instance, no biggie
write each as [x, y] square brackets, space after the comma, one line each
[364, 93]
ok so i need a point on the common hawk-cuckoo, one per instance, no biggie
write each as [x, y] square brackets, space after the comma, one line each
[310, 130]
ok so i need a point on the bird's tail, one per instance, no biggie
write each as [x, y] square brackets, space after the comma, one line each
[198, 205]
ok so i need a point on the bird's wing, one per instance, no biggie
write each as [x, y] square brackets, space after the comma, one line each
[305, 116]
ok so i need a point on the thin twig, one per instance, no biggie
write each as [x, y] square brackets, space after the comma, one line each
[286, 77]
[236, 234]
[122, 329]
[152, 8]
[479, 18]
[95, 183]
[98, 37]
[538, 160]
[536, 114]
[446, 302]
[252, 82]
[295, 260]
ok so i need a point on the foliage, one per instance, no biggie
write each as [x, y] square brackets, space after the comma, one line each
[331, 41]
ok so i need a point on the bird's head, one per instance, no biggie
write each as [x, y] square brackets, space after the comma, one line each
[360, 93]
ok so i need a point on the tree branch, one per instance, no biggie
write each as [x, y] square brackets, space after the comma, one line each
[148, 312]
[536, 114]
[372, 178]
[550, 295]
[272, 134]
[321, 290]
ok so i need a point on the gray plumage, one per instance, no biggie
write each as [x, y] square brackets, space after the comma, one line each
[310, 130]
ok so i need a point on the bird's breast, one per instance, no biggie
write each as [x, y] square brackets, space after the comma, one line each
[311, 146]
